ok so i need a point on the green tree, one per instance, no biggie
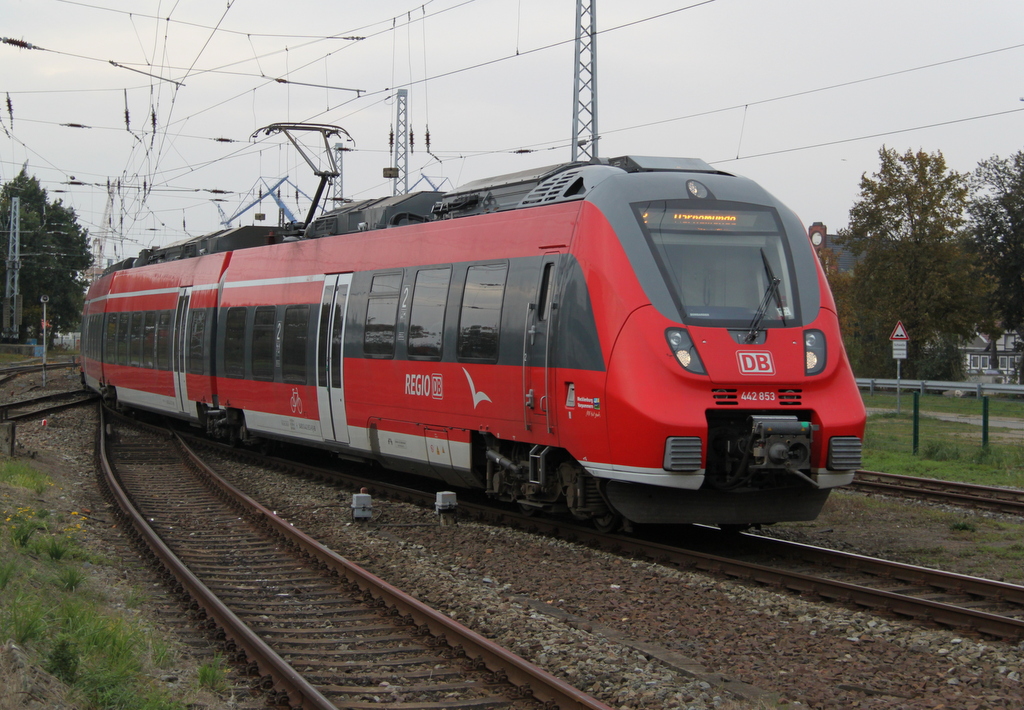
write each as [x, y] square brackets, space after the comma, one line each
[908, 230]
[54, 256]
[996, 218]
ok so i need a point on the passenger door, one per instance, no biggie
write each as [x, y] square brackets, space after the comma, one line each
[180, 340]
[330, 358]
[537, 350]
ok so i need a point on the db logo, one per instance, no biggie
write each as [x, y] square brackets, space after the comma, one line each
[754, 363]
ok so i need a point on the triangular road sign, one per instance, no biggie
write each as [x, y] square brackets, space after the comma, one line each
[899, 332]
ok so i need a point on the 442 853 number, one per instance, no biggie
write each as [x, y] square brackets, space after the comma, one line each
[762, 396]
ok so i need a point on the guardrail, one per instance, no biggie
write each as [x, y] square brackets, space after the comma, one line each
[978, 389]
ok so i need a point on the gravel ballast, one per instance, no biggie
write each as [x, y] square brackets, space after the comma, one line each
[634, 634]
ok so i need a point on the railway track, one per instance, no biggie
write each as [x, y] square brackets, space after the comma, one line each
[280, 601]
[45, 404]
[1002, 500]
[927, 595]
[9, 373]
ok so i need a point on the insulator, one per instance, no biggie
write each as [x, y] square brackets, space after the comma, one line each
[412, 141]
[391, 138]
[428, 139]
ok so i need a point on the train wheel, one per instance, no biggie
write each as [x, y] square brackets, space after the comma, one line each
[607, 523]
[527, 510]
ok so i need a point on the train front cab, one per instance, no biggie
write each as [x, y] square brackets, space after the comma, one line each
[729, 391]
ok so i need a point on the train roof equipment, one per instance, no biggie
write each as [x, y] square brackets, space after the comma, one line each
[527, 188]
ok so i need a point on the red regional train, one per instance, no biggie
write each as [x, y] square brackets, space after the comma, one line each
[644, 340]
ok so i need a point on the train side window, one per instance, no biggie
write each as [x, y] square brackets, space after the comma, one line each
[163, 341]
[263, 343]
[196, 341]
[148, 339]
[110, 344]
[135, 343]
[122, 338]
[293, 350]
[323, 337]
[234, 342]
[480, 319]
[426, 323]
[544, 307]
[96, 337]
[381, 315]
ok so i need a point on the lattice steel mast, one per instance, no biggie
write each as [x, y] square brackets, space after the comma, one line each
[584, 108]
[12, 298]
[402, 143]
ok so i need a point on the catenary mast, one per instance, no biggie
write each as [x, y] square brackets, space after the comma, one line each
[584, 107]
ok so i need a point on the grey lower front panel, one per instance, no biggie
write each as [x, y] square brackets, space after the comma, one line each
[658, 505]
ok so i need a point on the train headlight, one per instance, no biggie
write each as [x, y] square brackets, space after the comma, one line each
[684, 350]
[814, 352]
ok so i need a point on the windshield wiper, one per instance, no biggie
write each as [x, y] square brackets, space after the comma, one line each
[771, 292]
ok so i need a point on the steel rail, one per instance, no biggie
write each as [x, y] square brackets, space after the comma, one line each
[540, 684]
[21, 369]
[83, 397]
[256, 649]
[883, 600]
[1006, 500]
[9, 373]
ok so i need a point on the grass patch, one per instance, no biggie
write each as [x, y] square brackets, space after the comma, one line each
[56, 548]
[49, 607]
[102, 657]
[24, 522]
[8, 572]
[947, 450]
[925, 535]
[19, 474]
[998, 405]
[23, 619]
[212, 675]
[63, 659]
[950, 450]
[69, 578]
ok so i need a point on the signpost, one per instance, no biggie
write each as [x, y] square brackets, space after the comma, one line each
[899, 340]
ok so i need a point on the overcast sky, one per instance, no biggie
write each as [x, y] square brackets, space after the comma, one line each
[797, 94]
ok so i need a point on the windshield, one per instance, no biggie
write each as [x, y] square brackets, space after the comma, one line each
[720, 260]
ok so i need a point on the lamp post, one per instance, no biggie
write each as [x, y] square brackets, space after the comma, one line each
[44, 300]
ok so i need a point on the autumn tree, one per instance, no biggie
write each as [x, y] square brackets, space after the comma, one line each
[907, 229]
[54, 256]
[996, 219]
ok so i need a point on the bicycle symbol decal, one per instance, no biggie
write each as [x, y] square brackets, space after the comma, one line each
[296, 401]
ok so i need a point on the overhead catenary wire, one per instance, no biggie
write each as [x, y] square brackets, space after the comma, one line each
[171, 127]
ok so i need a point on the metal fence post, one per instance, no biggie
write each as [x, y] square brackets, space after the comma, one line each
[984, 422]
[917, 421]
